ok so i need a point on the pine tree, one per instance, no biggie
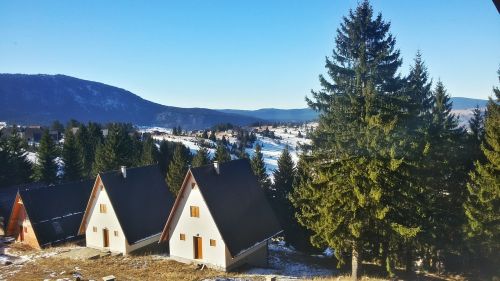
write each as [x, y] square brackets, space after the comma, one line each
[57, 126]
[482, 206]
[116, 151]
[418, 91]
[259, 168]
[212, 136]
[205, 135]
[357, 158]
[221, 154]
[46, 167]
[16, 168]
[165, 155]
[476, 125]
[71, 157]
[201, 158]
[4, 163]
[177, 169]
[476, 135]
[88, 138]
[416, 116]
[150, 153]
[136, 150]
[21, 168]
[279, 194]
[443, 184]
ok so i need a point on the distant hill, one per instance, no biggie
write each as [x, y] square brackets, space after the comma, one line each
[274, 114]
[41, 99]
[461, 106]
[467, 103]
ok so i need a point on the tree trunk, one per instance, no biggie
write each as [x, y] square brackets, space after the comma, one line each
[356, 262]
[409, 261]
[383, 254]
[389, 266]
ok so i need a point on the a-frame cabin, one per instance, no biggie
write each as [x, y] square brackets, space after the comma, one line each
[49, 215]
[126, 210]
[221, 218]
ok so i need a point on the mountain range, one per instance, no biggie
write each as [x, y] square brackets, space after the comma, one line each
[41, 99]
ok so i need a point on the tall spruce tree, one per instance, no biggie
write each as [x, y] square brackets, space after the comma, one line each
[177, 169]
[4, 163]
[46, 167]
[301, 236]
[475, 135]
[204, 135]
[21, 168]
[116, 151]
[259, 168]
[482, 206]
[201, 158]
[416, 116]
[356, 157]
[88, 138]
[212, 136]
[15, 167]
[149, 153]
[284, 177]
[476, 125]
[71, 157]
[444, 177]
[165, 155]
[221, 154]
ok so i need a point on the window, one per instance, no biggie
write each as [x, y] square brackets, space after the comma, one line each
[212, 242]
[25, 229]
[94, 229]
[182, 236]
[193, 185]
[102, 208]
[195, 212]
[116, 233]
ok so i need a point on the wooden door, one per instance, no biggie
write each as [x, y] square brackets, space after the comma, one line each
[197, 245]
[105, 237]
[21, 233]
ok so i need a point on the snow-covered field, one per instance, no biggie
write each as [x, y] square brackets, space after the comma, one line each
[271, 148]
[287, 263]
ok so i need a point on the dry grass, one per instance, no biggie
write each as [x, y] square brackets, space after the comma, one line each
[124, 268]
[346, 278]
[136, 267]
[420, 277]
[148, 266]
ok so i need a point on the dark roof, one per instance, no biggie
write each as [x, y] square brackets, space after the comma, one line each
[237, 203]
[141, 201]
[7, 196]
[56, 211]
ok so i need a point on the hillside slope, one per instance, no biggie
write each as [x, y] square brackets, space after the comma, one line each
[41, 99]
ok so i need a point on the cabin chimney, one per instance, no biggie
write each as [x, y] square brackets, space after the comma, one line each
[216, 166]
[123, 169]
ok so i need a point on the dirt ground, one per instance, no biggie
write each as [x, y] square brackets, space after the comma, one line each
[284, 263]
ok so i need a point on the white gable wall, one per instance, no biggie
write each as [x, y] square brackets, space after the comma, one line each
[204, 227]
[108, 220]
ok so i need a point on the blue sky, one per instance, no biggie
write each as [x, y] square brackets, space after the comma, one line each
[237, 54]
